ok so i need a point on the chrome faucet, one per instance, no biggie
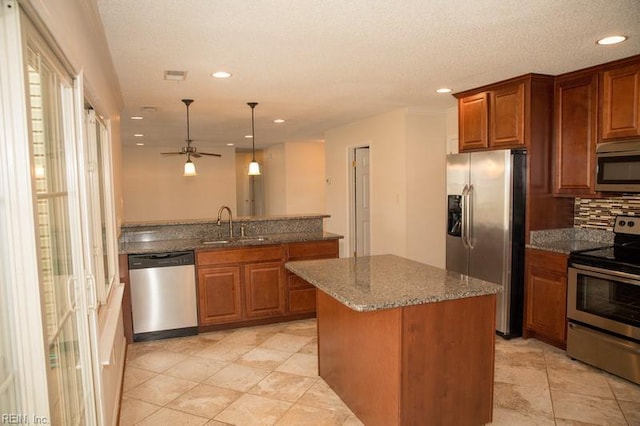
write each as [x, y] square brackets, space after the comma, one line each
[230, 219]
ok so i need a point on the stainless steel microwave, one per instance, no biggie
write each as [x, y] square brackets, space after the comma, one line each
[618, 166]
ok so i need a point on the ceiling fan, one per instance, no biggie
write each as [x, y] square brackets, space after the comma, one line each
[189, 150]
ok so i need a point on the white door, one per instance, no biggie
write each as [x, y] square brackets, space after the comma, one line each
[53, 140]
[362, 202]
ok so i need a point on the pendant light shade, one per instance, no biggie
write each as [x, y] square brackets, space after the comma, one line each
[254, 167]
[189, 168]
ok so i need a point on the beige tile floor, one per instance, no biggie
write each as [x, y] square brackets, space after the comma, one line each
[268, 376]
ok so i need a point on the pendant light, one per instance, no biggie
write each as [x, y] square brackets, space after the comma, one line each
[254, 167]
[189, 167]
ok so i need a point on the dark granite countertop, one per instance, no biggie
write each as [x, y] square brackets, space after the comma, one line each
[566, 240]
[178, 244]
[373, 283]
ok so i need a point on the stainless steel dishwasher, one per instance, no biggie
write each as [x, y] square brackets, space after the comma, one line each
[163, 295]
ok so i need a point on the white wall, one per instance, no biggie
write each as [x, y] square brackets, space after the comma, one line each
[275, 180]
[294, 178]
[155, 189]
[407, 157]
[426, 188]
[305, 178]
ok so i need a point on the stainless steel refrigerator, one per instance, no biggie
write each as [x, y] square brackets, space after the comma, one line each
[485, 226]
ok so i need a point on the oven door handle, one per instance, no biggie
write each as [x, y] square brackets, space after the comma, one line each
[604, 273]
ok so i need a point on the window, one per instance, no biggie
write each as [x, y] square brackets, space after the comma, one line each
[101, 202]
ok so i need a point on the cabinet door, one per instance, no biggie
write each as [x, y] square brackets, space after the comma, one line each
[472, 114]
[219, 296]
[546, 295]
[575, 122]
[264, 289]
[620, 115]
[506, 115]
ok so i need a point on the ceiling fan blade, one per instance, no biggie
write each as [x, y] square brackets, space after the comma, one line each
[172, 153]
[210, 154]
[196, 155]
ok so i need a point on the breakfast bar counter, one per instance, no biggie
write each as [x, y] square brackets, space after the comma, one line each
[403, 343]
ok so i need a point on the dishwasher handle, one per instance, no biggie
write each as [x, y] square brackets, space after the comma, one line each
[159, 260]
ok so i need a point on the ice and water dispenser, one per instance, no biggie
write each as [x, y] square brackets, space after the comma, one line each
[454, 215]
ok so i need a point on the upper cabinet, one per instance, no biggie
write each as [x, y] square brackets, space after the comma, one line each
[506, 109]
[620, 102]
[496, 116]
[473, 111]
[592, 106]
[575, 133]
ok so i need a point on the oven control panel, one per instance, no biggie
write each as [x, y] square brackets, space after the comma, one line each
[627, 225]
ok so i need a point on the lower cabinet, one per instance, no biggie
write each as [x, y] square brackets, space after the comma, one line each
[301, 296]
[238, 286]
[219, 294]
[264, 290]
[546, 297]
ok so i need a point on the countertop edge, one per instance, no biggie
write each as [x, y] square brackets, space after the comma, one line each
[398, 302]
[163, 246]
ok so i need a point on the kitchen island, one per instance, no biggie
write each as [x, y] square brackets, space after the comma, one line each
[403, 343]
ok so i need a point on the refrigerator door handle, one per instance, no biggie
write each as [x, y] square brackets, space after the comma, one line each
[465, 224]
[469, 219]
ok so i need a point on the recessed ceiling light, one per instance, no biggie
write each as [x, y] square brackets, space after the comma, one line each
[221, 74]
[248, 136]
[611, 40]
[230, 144]
[136, 117]
[138, 135]
[149, 108]
[444, 90]
[140, 143]
[278, 121]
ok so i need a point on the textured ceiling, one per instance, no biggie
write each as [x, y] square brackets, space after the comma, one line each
[320, 64]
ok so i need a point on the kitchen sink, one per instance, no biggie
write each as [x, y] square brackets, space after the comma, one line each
[252, 239]
[213, 242]
[242, 240]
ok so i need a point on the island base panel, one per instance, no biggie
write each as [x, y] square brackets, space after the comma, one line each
[359, 358]
[423, 364]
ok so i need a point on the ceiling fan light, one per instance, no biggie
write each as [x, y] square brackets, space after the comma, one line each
[254, 168]
[189, 169]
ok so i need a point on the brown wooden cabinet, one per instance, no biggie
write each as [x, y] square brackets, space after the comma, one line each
[264, 289]
[301, 296]
[546, 296]
[519, 114]
[493, 117]
[507, 116]
[249, 285]
[239, 284]
[620, 102]
[576, 115]
[219, 294]
[473, 111]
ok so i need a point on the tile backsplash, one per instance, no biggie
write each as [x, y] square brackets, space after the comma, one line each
[600, 213]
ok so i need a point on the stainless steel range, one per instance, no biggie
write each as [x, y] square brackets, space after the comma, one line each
[603, 303]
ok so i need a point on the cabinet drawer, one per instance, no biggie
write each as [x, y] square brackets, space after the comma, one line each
[302, 301]
[295, 282]
[240, 255]
[313, 250]
[556, 262]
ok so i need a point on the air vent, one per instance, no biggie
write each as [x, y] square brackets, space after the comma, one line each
[175, 75]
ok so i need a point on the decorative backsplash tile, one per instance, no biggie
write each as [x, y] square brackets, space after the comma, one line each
[600, 213]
